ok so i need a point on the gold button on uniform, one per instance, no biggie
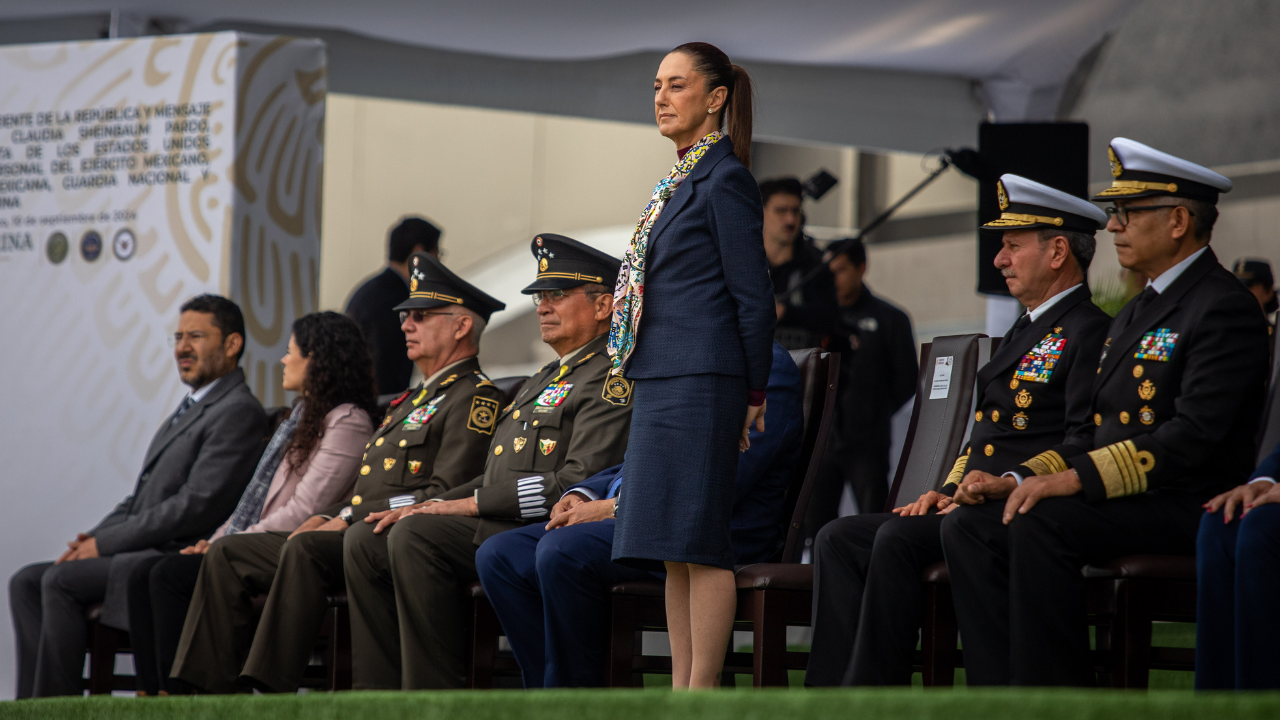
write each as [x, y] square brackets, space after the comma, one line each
[356, 499]
[989, 450]
[380, 441]
[403, 443]
[1097, 419]
[1124, 418]
[1137, 371]
[1013, 384]
[515, 415]
[365, 470]
[995, 417]
[977, 416]
[535, 423]
[497, 450]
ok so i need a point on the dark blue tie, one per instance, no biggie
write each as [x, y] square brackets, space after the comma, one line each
[186, 404]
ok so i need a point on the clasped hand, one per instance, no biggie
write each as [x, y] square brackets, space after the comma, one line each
[1247, 496]
[466, 507]
[978, 487]
[84, 547]
[574, 509]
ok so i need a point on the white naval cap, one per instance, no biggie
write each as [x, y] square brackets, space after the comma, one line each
[1143, 171]
[1028, 204]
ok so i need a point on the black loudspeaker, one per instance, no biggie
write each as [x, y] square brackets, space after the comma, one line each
[1056, 154]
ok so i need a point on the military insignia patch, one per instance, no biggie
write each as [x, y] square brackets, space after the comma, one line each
[542, 264]
[553, 394]
[1147, 390]
[616, 391]
[1157, 345]
[415, 466]
[388, 463]
[483, 380]
[518, 444]
[1116, 168]
[546, 446]
[1020, 421]
[413, 285]
[419, 417]
[1022, 399]
[1037, 365]
[1147, 415]
[483, 416]
[1002, 197]
[448, 381]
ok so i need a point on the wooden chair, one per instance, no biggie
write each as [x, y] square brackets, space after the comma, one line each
[770, 595]
[1125, 596]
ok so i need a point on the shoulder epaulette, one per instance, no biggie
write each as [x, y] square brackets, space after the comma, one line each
[481, 379]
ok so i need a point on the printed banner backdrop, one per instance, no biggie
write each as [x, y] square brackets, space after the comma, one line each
[135, 174]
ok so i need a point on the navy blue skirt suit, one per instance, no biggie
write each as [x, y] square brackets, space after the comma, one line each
[705, 338]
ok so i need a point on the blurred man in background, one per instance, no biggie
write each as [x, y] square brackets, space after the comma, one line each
[878, 369]
[371, 304]
[1257, 277]
[806, 313]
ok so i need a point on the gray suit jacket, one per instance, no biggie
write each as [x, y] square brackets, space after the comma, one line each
[192, 478]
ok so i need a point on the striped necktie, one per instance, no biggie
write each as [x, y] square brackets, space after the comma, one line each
[185, 405]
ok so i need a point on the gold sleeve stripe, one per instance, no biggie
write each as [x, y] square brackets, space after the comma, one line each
[957, 471]
[1047, 463]
[1123, 468]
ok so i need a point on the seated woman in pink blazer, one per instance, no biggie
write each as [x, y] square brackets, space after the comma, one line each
[309, 464]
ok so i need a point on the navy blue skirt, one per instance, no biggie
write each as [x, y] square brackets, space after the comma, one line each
[681, 464]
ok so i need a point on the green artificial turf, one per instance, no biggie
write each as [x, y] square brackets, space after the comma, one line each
[648, 705]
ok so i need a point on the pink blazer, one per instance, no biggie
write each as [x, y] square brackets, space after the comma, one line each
[329, 476]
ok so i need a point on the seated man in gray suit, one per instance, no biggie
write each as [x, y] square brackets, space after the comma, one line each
[197, 466]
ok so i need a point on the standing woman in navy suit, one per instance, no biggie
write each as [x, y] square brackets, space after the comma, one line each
[691, 340]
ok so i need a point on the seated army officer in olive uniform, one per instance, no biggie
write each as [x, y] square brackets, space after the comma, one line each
[1032, 396]
[1176, 401]
[433, 438]
[405, 581]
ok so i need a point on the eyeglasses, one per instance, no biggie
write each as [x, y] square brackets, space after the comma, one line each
[419, 315]
[194, 336]
[1122, 212]
[555, 296]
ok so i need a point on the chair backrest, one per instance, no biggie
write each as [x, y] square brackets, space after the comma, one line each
[819, 376]
[510, 386]
[939, 416]
[1271, 418]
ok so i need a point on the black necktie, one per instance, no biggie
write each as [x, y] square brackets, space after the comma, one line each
[1144, 301]
[1018, 327]
[185, 405]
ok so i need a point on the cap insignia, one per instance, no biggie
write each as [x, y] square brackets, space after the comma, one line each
[1001, 196]
[1116, 167]
[413, 285]
[542, 264]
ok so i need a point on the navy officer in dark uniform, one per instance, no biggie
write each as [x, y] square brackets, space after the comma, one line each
[549, 583]
[405, 581]
[1177, 400]
[1033, 402]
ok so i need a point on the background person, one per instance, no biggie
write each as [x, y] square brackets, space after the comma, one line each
[372, 305]
[699, 356]
[806, 314]
[432, 438]
[1238, 585]
[1258, 278]
[310, 463]
[878, 371]
[195, 469]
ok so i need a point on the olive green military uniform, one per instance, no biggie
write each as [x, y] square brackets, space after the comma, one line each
[405, 586]
[432, 439]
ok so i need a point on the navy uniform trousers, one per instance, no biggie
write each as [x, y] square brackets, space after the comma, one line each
[558, 628]
[1238, 567]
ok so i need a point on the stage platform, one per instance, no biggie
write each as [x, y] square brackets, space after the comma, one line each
[739, 704]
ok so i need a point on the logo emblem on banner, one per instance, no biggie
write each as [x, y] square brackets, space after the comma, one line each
[124, 244]
[57, 248]
[91, 245]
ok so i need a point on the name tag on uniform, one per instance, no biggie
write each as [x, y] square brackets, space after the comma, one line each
[1037, 365]
[553, 394]
[1157, 345]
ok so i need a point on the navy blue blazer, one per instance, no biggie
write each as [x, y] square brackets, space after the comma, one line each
[1269, 467]
[763, 470]
[708, 299]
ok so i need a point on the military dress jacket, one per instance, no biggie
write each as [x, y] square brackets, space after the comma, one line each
[1179, 393]
[568, 422]
[431, 440]
[1034, 395]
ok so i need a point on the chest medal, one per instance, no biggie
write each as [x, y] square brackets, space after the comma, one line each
[1037, 365]
[553, 394]
[1157, 345]
[422, 415]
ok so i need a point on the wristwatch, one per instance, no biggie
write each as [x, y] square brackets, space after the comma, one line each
[347, 515]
